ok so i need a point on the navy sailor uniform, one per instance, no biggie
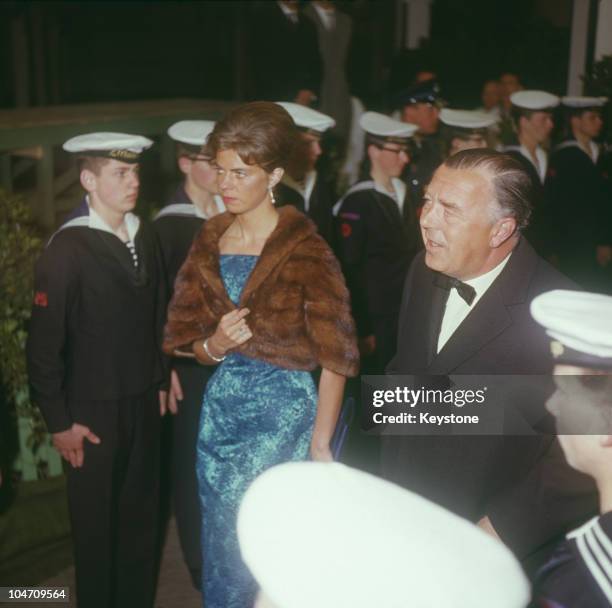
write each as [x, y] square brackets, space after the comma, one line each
[578, 211]
[579, 574]
[538, 230]
[176, 226]
[94, 358]
[314, 198]
[378, 237]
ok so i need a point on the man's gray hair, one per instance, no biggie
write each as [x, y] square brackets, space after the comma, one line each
[513, 187]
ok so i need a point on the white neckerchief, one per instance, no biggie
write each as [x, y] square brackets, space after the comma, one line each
[305, 189]
[220, 204]
[457, 309]
[328, 18]
[132, 223]
[398, 194]
[542, 166]
[572, 143]
[291, 15]
[218, 200]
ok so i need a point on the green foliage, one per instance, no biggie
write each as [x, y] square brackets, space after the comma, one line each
[599, 83]
[20, 245]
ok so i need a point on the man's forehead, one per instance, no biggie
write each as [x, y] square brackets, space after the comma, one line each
[310, 136]
[459, 181]
[111, 164]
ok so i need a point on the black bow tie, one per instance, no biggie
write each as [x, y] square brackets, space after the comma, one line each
[467, 292]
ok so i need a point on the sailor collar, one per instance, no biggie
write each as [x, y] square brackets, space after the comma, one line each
[86, 217]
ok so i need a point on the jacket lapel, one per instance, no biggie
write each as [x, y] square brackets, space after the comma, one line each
[438, 300]
[484, 322]
[490, 316]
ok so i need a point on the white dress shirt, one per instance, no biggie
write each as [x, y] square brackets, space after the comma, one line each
[457, 309]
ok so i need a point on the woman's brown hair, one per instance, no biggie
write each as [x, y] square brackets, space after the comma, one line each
[261, 133]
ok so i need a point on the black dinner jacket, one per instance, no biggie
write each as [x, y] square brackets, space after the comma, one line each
[522, 484]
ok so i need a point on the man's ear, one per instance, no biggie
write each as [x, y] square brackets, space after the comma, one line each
[275, 177]
[184, 164]
[88, 180]
[373, 152]
[503, 229]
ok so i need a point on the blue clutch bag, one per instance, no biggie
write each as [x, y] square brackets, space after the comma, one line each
[342, 427]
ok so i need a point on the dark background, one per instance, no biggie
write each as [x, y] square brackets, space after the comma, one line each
[78, 52]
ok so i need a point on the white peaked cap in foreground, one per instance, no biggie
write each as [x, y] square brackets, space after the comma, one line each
[325, 535]
[579, 320]
[192, 132]
[383, 126]
[466, 119]
[584, 102]
[106, 142]
[534, 100]
[307, 118]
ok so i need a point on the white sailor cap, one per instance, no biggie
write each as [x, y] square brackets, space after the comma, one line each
[534, 100]
[384, 127]
[307, 118]
[325, 535]
[466, 119]
[580, 324]
[119, 146]
[192, 132]
[584, 102]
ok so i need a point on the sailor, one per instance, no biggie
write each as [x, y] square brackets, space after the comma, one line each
[95, 370]
[579, 210]
[532, 114]
[532, 119]
[326, 535]
[420, 105]
[378, 235]
[195, 200]
[580, 327]
[303, 185]
[465, 129]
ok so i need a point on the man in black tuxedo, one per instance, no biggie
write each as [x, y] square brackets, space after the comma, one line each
[465, 310]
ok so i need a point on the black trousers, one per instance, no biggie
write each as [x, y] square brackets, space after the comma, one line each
[193, 377]
[113, 503]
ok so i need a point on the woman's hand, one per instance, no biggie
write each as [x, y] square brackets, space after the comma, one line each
[231, 332]
[320, 452]
[331, 391]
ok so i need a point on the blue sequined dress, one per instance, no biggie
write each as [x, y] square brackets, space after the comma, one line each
[254, 415]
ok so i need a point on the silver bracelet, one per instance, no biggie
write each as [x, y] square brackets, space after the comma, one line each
[217, 359]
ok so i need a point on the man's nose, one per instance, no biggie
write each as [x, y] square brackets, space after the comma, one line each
[134, 180]
[428, 215]
[223, 182]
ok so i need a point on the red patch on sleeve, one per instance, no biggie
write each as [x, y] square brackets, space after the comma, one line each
[40, 299]
[346, 230]
[552, 172]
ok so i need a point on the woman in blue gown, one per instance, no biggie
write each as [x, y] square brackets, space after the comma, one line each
[261, 295]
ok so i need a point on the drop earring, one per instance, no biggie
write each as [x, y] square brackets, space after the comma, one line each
[271, 193]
